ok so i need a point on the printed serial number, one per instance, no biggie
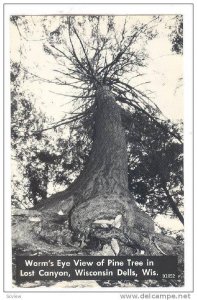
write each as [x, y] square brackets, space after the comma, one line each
[168, 275]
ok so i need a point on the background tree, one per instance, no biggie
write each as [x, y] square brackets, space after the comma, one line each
[156, 167]
[176, 35]
[35, 157]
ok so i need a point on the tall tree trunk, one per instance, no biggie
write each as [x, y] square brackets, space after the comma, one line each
[103, 185]
[107, 165]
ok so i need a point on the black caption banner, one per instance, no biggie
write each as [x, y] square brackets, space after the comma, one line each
[30, 268]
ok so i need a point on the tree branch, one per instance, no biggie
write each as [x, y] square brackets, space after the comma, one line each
[71, 96]
[84, 51]
[57, 125]
[172, 204]
[129, 116]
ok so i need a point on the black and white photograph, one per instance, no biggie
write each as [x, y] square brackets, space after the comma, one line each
[97, 150]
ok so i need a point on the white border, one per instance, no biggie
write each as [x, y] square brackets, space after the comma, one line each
[186, 10]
